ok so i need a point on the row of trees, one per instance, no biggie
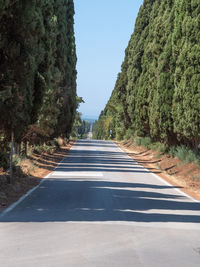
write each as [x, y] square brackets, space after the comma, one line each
[37, 70]
[157, 92]
[80, 127]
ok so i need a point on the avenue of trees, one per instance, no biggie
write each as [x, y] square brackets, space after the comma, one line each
[80, 127]
[157, 92]
[37, 71]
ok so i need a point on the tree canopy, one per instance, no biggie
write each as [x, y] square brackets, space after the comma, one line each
[37, 68]
[157, 92]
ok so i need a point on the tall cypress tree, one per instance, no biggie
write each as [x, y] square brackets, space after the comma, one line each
[137, 98]
[37, 67]
[162, 80]
[158, 89]
[66, 63]
[21, 29]
[186, 49]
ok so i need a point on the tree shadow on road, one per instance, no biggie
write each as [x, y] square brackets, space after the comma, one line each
[76, 200]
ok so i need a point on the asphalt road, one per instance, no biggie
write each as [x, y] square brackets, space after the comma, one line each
[101, 208]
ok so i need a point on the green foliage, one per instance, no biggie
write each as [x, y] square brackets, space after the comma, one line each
[157, 146]
[144, 141]
[80, 127]
[184, 153]
[37, 69]
[186, 48]
[157, 92]
[120, 133]
[44, 148]
[129, 135]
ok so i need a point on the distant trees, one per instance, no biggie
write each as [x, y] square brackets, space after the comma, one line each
[80, 127]
[157, 92]
[37, 69]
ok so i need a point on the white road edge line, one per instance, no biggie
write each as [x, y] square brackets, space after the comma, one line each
[12, 206]
[59, 163]
[162, 179]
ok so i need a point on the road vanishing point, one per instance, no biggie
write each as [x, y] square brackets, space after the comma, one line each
[100, 208]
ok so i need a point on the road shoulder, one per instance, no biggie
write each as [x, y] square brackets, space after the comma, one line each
[172, 170]
[29, 175]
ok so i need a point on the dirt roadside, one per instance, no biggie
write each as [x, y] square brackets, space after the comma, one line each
[32, 170]
[174, 171]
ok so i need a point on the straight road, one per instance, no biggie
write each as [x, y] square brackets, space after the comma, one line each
[100, 208]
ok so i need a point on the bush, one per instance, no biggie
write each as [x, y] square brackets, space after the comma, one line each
[156, 146]
[185, 154]
[129, 135]
[161, 148]
[181, 152]
[144, 141]
[138, 141]
[44, 148]
[120, 133]
[172, 151]
[191, 157]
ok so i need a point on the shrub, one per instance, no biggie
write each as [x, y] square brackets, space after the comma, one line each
[172, 151]
[155, 146]
[161, 148]
[120, 133]
[138, 141]
[129, 134]
[44, 148]
[191, 157]
[149, 144]
[146, 142]
[185, 154]
[181, 152]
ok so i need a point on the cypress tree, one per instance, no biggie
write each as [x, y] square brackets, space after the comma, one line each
[66, 63]
[137, 98]
[157, 93]
[186, 49]
[37, 68]
[21, 29]
[161, 93]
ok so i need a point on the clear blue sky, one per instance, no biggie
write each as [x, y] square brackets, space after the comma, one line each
[102, 31]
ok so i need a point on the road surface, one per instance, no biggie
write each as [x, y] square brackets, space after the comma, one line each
[100, 208]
